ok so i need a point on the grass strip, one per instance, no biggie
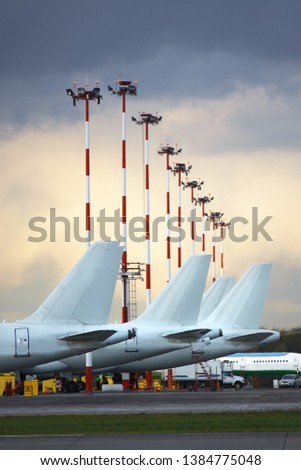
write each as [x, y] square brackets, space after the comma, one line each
[278, 421]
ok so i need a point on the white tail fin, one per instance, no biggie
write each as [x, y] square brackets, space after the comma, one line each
[180, 300]
[86, 292]
[214, 295]
[243, 305]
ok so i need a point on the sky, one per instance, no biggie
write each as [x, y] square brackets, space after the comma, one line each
[226, 78]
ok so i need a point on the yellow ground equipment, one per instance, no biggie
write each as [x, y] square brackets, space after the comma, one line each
[31, 387]
[7, 382]
[49, 386]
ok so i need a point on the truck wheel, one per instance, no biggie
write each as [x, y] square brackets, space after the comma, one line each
[81, 385]
[71, 387]
[237, 385]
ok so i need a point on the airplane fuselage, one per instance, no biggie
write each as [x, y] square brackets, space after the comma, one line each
[150, 351]
[200, 351]
[24, 345]
[148, 342]
[265, 363]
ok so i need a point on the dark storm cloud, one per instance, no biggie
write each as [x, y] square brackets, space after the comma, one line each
[46, 44]
[43, 36]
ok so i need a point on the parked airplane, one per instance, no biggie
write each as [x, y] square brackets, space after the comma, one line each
[272, 363]
[213, 296]
[237, 315]
[68, 321]
[169, 323]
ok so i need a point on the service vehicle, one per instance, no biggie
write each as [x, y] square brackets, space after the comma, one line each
[213, 374]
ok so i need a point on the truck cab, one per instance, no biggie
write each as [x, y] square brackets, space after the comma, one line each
[231, 380]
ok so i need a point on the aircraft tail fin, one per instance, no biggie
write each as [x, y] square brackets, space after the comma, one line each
[243, 305]
[181, 298]
[214, 295]
[86, 292]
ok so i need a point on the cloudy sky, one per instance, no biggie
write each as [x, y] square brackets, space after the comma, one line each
[225, 76]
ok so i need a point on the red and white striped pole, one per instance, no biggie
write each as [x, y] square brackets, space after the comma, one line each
[148, 374]
[146, 119]
[87, 155]
[192, 216]
[203, 227]
[213, 252]
[179, 219]
[222, 250]
[192, 185]
[89, 357]
[147, 220]
[201, 201]
[168, 251]
[223, 226]
[87, 95]
[124, 263]
[178, 169]
[168, 151]
[123, 88]
[215, 218]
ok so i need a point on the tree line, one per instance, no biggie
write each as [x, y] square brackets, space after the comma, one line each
[290, 342]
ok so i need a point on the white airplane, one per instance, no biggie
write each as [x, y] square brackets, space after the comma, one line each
[213, 296]
[237, 315]
[265, 363]
[169, 323]
[67, 322]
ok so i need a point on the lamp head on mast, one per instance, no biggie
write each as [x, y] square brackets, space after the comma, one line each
[83, 93]
[124, 87]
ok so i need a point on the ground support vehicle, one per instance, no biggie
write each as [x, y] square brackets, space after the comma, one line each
[213, 374]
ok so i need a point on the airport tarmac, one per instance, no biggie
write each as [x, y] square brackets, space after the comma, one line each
[177, 441]
[247, 399]
[100, 403]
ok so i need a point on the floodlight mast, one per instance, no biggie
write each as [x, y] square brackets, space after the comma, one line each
[123, 88]
[214, 217]
[192, 185]
[223, 226]
[86, 95]
[177, 170]
[147, 119]
[168, 151]
[201, 201]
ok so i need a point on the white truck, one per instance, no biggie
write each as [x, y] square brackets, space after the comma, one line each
[212, 373]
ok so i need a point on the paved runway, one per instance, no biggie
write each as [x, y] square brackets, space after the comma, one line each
[161, 402]
[194, 441]
[151, 402]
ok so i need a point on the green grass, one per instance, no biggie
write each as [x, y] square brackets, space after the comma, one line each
[152, 423]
